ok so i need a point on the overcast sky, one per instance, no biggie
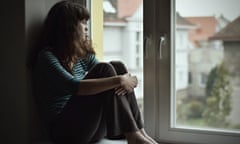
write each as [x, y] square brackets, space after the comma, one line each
[229, 8]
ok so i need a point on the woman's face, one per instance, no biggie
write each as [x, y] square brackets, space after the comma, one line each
[83, 29]
[83, 32]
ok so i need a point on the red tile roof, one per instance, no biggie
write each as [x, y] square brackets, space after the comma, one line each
[182, 21]
[206, 27]
[124, 8]
[229, 33]
[127, 8]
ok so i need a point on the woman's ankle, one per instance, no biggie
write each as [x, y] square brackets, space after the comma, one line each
[144, 133]
[131, 134]
[136, 138]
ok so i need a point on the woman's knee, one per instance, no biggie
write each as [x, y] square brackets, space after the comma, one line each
[106, 68]
[119, 67]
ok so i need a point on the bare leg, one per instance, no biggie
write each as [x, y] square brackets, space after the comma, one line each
[139, 136]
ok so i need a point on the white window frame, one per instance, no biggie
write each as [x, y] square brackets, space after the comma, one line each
[158, 79]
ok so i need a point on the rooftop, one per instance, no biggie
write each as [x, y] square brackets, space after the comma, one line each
[231, 32]
[182, 21]
[118, 10]
[206, 27]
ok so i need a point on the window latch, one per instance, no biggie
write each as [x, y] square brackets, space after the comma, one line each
[162, 45]
[147, 43]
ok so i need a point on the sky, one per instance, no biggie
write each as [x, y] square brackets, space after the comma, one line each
[229, 8]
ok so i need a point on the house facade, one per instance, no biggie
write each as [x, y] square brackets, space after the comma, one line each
[123, 38]
[182, 49]
[230, 35]
[204, 54]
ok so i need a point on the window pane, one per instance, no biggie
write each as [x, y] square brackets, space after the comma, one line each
[207, 70]
[123, 37]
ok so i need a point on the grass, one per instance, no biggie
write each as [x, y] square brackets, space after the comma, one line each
[197, 122]
[200, 123]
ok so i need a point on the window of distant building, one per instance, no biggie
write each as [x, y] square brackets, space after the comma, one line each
[203, 79]
[189, 78]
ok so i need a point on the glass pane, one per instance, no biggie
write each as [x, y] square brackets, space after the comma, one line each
[207, 70]
[123, 37]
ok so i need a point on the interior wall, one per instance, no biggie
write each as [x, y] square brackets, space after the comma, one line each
[13, 99]
[19, 25]
[35, 13]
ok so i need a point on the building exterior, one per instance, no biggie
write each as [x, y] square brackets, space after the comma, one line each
[182, 49]
[123, 40]
[204, 54]
[195, 55]
[230, 35]
[123, 37]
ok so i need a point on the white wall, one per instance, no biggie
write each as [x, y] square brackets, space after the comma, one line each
[203, 60]
[181, 59]
[113, 43]
[120, 44]
[113, 39]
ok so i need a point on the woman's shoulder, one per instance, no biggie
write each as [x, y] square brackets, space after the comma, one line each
[46, 55]
[91, 57]
[46, 52]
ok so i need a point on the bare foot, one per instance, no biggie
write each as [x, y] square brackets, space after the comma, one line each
[143, 132]
[137, 138]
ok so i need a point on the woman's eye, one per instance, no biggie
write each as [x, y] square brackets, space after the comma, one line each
[84, 22]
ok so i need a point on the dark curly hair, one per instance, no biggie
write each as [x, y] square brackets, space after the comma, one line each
[61, 33]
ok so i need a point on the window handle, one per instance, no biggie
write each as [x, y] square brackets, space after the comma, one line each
[146, 45]
[162, 44]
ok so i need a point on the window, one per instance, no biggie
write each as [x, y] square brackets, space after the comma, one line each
[123, 37]
[162, 109]
[189, 78]
[178, 116]
[203, 79]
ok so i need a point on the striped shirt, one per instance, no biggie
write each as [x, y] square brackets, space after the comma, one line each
[54, 84]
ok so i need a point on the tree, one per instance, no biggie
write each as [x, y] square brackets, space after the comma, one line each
[218, 100]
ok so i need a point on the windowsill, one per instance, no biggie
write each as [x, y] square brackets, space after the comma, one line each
[106, 141]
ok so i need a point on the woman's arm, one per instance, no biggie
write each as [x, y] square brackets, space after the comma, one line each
[94, 86]
[59, 79]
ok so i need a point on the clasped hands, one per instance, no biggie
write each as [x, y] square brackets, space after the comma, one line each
[128, 83]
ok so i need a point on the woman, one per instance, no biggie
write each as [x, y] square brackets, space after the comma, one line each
[82, 99]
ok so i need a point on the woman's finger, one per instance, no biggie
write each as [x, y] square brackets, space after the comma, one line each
[122, 91]
[119, 91]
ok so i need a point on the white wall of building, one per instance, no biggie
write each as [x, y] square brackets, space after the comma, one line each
[121, 42]
[181, 59]
[113, 43]
[201, 61]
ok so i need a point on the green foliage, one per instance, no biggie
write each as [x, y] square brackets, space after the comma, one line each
[195, 109]
[218, 100]
[191, 109]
